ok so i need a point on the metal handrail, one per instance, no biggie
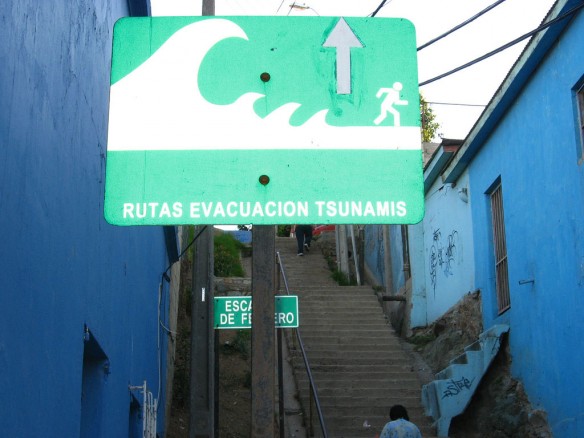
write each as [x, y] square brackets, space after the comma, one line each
[313, 389]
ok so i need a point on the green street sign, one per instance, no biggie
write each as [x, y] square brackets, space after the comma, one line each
[264, 120]
[235, 312]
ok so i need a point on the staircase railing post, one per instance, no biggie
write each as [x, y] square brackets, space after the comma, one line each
[310, 410]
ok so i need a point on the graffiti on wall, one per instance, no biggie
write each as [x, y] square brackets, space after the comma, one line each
[443, 255]
[455, 387]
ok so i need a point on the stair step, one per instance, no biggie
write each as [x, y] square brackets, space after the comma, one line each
[389, 383]
[337, 394]
[315, 320]
[336, 363]
[363, 408]
[381, 389]
[355, 421]
[347, 318]
[357, 349]
[334, 288]
[346, 336]
[317, 339]
[362, 368]
[339, 314]
[346, 325]
[364, 378]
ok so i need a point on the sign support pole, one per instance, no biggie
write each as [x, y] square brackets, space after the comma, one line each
[280, 362]
[203, 406]
[202, 397]
[208, 7]
[262, 333]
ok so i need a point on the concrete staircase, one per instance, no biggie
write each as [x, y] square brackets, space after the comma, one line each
[451, 392]
[357, 361]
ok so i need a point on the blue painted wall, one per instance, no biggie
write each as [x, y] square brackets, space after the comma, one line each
[63, 268]
[375, 253]
[448, 248]
[441, 254]
[534, 151]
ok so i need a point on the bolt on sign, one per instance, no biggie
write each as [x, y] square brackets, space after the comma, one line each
[235, 312]
[264, 120]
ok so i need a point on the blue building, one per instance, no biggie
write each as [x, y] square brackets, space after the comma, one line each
[524, 158]
[80, 300]
[504, 216]
[431, 264]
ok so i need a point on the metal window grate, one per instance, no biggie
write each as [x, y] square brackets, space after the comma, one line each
[502, 274]
[580, 96]
[406, 251]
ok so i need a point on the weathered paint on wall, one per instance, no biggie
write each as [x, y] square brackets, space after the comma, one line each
[63, 267]
[448, 246]
[418, 311]
[535, 153]
[441, 254]
[375, 255]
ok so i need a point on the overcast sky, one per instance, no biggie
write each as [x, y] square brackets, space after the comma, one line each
[474, 85]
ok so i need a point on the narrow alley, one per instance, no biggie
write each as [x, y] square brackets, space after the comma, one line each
[357, 361]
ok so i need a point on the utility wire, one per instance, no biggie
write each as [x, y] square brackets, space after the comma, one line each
[278, 10]
[314, 10]
[303, 8]
[461, 25]
[505, 46]
[165, 273]
[160, 322]
[456, 104]
[381, 5]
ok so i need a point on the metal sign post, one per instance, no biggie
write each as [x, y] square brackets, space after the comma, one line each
[263, 348]
[202, 394]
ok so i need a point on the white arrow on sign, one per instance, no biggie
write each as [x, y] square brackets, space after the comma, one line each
[343, 38]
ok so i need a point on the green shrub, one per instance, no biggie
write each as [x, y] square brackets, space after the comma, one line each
[343, 279]
[241, 344]
[340, 277]
[227, 251]
[284, 230]
[421, 340]
[190, 237]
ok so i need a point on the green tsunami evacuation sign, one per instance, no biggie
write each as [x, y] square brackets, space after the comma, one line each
[264, 120]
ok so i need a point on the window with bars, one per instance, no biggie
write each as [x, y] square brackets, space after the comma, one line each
[580, 104]
[406, 252]
[500, 246]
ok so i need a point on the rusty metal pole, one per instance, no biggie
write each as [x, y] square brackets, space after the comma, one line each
[262, 332]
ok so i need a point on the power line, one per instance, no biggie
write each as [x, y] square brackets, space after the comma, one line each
[381, 5]
[461, 25]
[165, 273]
[504, 47]
[278, 10]
[303, 8]
[456, 104]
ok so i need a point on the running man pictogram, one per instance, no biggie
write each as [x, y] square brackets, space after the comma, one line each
[392, 97]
